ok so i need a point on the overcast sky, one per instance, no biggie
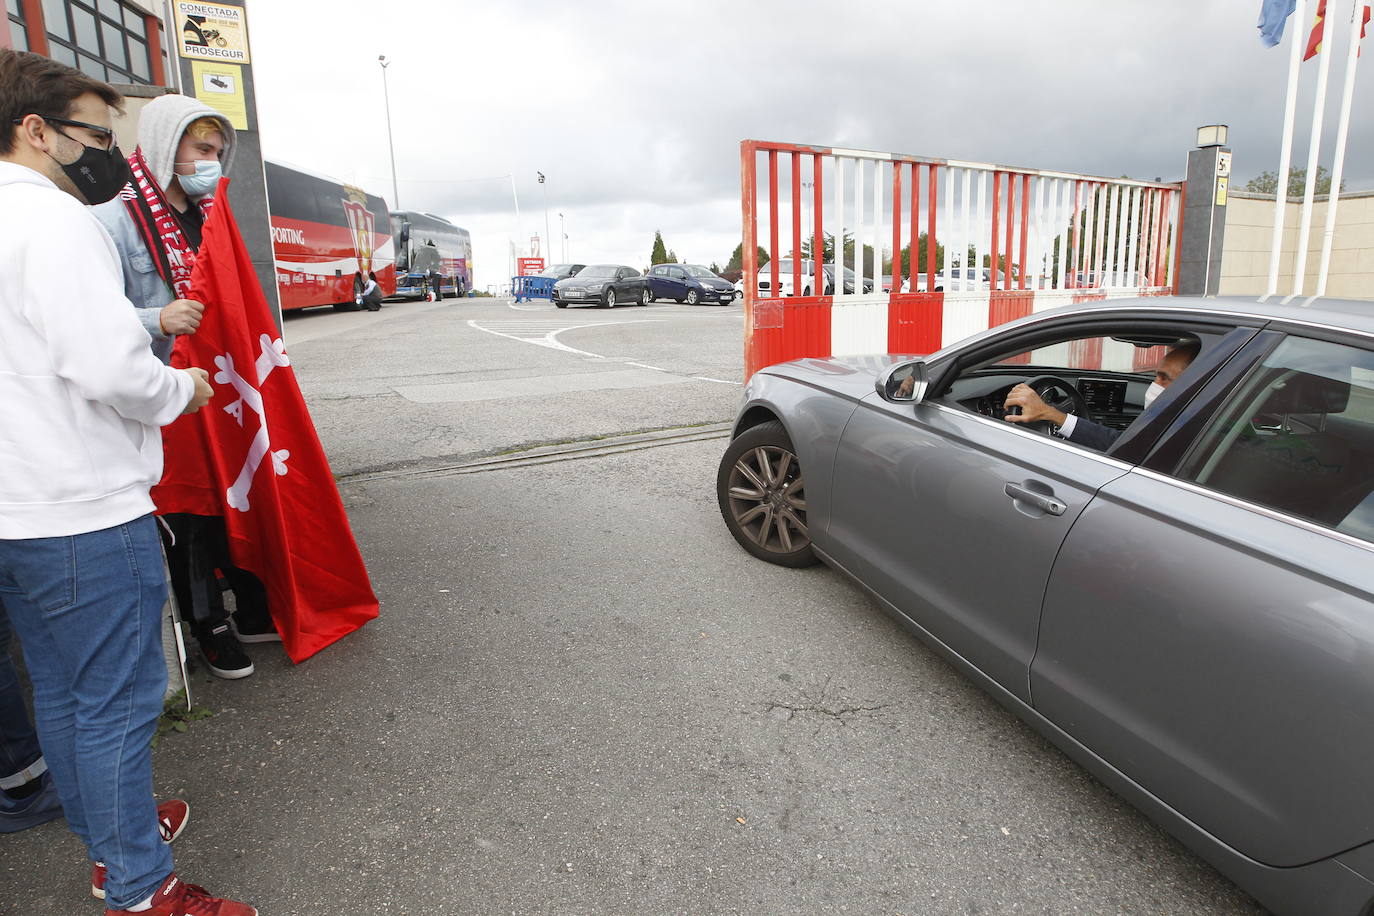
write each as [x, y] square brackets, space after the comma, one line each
[634, 110]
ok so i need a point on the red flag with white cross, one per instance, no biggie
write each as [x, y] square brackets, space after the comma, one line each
[252, 455]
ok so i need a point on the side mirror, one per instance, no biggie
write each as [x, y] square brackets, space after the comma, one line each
[904, 383]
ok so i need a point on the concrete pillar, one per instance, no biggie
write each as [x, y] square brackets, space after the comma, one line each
[1204, 221]
[213, 61]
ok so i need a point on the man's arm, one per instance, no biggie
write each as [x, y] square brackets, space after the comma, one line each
[94, 339]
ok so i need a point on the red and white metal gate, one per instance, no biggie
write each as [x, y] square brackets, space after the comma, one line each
[1014, 241]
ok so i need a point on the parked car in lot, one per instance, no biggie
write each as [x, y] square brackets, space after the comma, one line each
[559, 271]
[1189, 614]
[808, 277]
[688, 283]
[602, 284]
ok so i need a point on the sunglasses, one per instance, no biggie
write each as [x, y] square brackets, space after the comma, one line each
[105, 133]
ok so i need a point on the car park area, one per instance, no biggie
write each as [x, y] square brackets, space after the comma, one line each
[621, 711]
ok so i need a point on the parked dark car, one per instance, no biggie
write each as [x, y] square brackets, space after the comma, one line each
[689, 283]
[560, 271]
[1189, 614]
[602, 284]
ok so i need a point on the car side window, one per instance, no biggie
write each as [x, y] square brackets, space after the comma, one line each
[1298, 437]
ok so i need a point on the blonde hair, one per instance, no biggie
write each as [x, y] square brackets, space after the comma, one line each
[202, 128]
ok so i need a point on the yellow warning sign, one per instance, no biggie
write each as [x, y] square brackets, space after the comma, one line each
[221, 87]
[1221, 191]
[212, 31]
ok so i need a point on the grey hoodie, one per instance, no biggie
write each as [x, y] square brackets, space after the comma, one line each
[160, 128]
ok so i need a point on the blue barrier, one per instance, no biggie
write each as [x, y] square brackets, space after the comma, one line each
[529, 288]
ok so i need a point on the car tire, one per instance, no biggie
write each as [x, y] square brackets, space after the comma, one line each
[646, 297]
[561, 305]
[609, 301]
[757, 488]
[691, 297]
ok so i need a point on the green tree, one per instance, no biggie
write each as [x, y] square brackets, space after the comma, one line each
[672, 257]
[736, 261]
[660, 253]
[1268, 182]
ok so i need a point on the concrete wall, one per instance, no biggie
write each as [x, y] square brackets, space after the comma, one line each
[1249, 230]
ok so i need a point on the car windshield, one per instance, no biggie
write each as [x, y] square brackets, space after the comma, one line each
[701, 272]
[785, 267]
[557, 270]
[598, 270]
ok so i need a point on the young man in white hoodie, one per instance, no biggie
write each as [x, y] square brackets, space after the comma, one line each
[82, 401]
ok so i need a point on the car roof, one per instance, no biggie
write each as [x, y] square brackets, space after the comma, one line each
[1344, 314]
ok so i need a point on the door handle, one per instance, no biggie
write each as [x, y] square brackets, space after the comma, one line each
[1040, 500]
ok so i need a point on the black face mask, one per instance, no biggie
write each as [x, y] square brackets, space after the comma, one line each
[98, 175]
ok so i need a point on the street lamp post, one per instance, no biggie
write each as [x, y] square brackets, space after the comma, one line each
[545, 189]
[563, 237]
[386, 95]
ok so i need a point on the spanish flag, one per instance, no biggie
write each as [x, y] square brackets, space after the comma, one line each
[1314, 41]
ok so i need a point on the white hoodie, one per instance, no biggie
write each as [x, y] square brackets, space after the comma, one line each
[82, 397]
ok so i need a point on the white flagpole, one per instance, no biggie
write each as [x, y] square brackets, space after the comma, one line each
[1314, 149]
[1352, 59]
[1290, 107]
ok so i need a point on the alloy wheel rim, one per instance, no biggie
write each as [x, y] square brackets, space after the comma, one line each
[610, 298]
[768, 499]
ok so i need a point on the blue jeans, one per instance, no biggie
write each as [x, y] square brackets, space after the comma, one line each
[88, 609]
[18, 742]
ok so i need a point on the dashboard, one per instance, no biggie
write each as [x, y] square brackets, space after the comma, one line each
[1113, 399]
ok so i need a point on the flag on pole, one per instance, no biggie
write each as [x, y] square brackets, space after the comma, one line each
[1314, 40]
[252, 455]
[1273, 17]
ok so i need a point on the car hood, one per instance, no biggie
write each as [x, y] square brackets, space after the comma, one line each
[583, 281]
[848, 375]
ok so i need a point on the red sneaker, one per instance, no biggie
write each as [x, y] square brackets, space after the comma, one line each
[172, 817]
[177, 898]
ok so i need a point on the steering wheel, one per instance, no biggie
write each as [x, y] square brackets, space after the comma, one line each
[1058, 393]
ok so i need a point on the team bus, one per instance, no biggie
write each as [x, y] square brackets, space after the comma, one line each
[326, 237]
[426, 243]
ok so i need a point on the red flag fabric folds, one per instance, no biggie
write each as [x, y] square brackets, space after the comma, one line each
[252, 455]
[1314, 40]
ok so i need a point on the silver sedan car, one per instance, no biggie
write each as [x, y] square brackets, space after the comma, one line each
[1182, 601]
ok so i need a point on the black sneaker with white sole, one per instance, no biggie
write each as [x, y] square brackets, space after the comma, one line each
[254, 628]
[223, 654]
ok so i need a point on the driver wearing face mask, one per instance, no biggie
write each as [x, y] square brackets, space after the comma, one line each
[1081, 430]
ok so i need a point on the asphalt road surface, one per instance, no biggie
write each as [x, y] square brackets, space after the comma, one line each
[582, 697]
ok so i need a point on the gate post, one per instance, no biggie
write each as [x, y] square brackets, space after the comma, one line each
[1204, 214]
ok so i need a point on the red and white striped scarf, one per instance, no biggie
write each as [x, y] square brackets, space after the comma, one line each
[158, 225]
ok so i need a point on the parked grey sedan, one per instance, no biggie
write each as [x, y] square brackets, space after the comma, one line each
[1189, 614]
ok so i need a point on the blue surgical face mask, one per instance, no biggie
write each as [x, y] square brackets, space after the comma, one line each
[208, 172]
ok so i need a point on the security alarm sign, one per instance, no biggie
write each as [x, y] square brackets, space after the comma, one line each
[212, 31]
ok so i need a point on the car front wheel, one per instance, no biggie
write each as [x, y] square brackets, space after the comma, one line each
[691, 297]
[762, 496]
[646, 297]
[610, 298]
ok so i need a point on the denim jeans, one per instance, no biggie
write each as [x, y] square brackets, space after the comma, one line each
[87, 609]
[18, 742]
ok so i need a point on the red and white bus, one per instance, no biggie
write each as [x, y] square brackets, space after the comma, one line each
[326, 237]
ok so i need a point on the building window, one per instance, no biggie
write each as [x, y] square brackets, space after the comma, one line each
[18, 31]
[104, 38]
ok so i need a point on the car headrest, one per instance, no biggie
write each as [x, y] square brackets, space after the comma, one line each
[1303, 392]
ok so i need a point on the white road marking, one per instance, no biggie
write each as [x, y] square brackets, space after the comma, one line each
[544, 334]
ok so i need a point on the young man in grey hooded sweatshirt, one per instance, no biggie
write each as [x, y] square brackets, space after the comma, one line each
[183, 147]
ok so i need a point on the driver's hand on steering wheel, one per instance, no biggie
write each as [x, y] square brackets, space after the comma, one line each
[1033, 409]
